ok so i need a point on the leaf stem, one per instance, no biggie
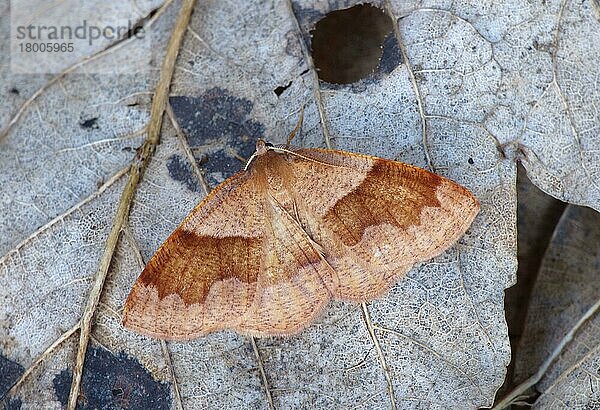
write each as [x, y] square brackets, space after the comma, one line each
[380, 355]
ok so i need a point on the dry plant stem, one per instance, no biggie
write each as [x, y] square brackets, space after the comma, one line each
[533, 380]
[263, 375]
[380, 356]
[137, 168]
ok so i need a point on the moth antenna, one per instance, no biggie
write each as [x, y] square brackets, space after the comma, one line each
[287, 151]
[296, 129]
[254, 155]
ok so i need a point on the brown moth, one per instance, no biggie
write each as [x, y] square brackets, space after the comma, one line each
[267, 249]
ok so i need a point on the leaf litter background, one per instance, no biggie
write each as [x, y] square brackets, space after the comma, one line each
[464, 90]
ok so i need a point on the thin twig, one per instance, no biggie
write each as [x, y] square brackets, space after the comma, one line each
[263, 374]
[167, 356]
[137, 169]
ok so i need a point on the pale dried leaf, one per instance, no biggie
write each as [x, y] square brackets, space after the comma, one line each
[567, 287]
[472, 80]
[537, 216]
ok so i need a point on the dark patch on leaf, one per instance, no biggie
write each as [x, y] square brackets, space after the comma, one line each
[215, 115]
[15, 91]
[14, 403]
[62, 385]
[91, 123]
[391, 56]
[113, 382]
[9, 373]
[180, 170]
[220, 165]
[218, 126]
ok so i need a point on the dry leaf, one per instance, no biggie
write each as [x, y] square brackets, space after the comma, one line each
[537, 216]
[566, 290]
[460, 87]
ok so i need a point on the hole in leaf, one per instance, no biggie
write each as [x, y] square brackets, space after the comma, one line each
[348, 44]
[279, 90]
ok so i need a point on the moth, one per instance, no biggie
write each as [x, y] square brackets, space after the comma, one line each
[268, 248]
